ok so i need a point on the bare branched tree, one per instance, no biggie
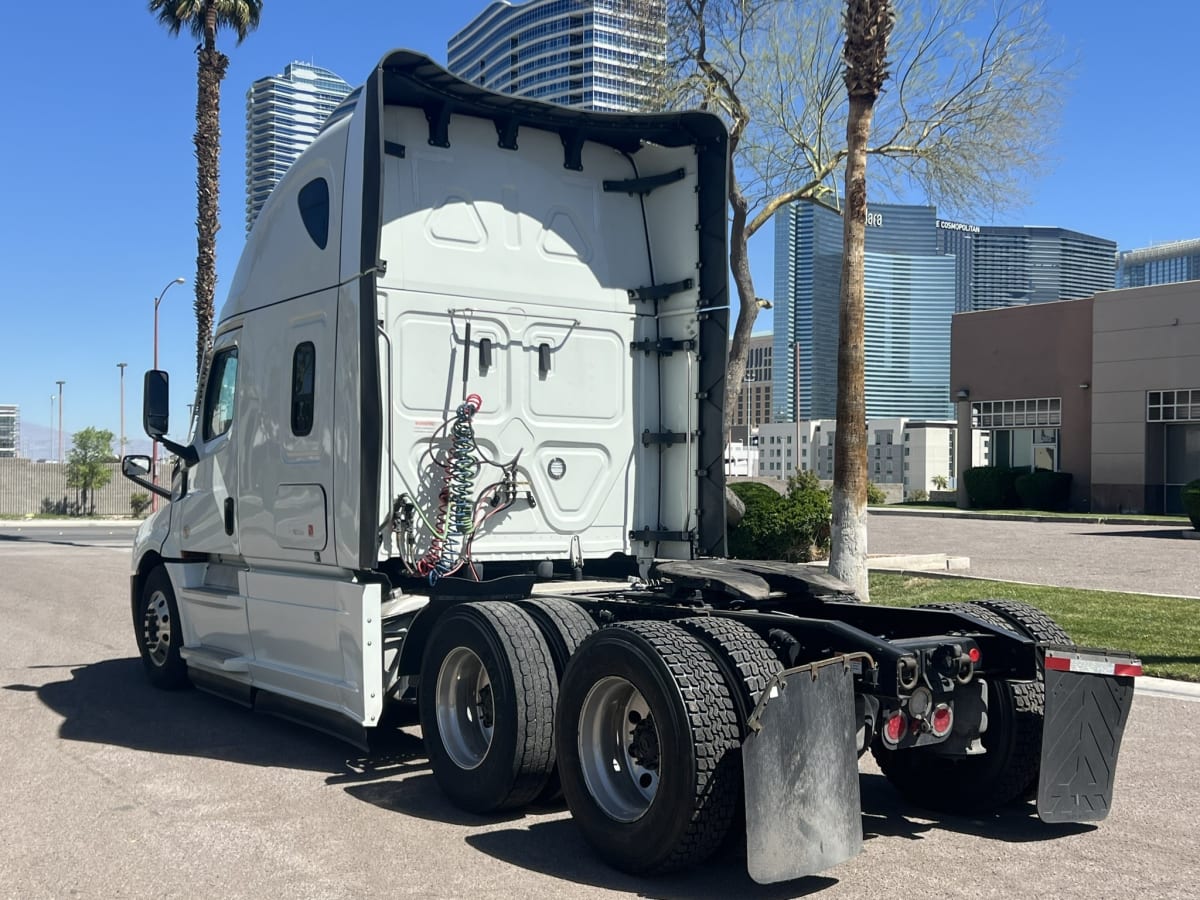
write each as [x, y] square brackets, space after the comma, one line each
[966, 120]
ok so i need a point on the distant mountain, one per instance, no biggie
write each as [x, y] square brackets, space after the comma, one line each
[40, 442]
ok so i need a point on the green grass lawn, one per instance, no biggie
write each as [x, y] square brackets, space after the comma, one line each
[1164, 632]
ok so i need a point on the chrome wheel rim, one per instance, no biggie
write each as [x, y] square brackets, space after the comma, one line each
[156, 628]
[619, 749]
[466, 709]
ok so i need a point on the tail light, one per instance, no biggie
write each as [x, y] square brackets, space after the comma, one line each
[942, 720]
[894, 728]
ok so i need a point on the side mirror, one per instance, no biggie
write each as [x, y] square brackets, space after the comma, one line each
[137, 469]
[135, 466]
[156, 403]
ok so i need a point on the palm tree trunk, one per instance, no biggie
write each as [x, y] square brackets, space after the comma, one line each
[848, 554]
[212, 66]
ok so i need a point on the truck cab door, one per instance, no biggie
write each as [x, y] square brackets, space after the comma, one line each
[208, 510]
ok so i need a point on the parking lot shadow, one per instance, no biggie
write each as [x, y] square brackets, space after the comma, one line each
[886, 813]
[110, 702]
[555, 847]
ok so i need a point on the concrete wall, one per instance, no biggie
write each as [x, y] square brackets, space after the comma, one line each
[1042, 350]
[1144, 339]
[28, 488]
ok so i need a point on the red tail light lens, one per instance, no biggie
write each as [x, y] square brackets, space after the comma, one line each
[894, 727]
[942, 720]
[973, 654]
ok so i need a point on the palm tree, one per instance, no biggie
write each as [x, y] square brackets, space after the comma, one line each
[202, 19]
[868, 24]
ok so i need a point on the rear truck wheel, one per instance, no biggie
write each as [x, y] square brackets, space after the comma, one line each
[981, 783]
[564, 625]
[746, 661]
[647, 734]
[159, 633]
[1028, 620]
[487, 697]
[1036, 625]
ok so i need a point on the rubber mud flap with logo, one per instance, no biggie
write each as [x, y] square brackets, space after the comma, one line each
[800, 766]
[1088, 697]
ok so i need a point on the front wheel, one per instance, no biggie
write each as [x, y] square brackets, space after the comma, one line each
[158, 632]
[647, 737]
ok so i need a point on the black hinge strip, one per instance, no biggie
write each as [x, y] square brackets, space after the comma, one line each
[391, 148]
[660, 291]
[645, 184]
[668, 438]
[438, 116]
[650, 535]
[665, 346]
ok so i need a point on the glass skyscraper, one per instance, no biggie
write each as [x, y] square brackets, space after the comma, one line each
[591, 54]
[283, 115]
[1159, 264]
[909, 299]
[1015, 266]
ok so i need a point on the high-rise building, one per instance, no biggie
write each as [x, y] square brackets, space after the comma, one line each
[10, 431]
[591, 54]
[909, 298]
[753, 406]
[283, 115]
[1159, 264]
[1016, 266]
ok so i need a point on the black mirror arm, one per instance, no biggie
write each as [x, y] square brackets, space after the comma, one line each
[140, 481]
[187, 453]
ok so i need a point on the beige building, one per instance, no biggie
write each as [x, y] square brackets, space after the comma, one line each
[908, 453]
[1106, 388]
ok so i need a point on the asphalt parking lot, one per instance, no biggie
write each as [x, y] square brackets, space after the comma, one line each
[1152, 559]
[112, 789]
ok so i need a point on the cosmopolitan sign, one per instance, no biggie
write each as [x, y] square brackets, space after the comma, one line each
[957, 226]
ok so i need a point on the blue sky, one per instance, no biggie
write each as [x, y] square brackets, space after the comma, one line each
[99, 208]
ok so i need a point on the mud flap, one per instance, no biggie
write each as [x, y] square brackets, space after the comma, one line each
[1088, 697]
[800, 765]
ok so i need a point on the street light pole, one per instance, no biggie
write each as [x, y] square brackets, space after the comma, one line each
[154, 445]
[53, 455]
[122, 366]
[60, 440]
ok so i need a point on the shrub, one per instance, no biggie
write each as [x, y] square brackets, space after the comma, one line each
[795, 528]
[139, 502]
[1043, 489]
[920, 495]
[1191, 502]
[991, 487]
[876, 496]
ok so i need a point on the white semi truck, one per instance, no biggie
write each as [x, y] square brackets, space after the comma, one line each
[458, 444]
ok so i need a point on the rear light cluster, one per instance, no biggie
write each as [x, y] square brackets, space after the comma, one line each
[896, 724]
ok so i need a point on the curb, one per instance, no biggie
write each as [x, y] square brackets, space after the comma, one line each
[1018, 517]
[19, 524]
[1167, 689]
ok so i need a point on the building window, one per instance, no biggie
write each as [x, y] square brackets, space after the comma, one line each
[1173, 406]
[1017, 413]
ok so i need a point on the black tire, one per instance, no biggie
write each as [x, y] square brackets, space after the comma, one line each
[159, 633]
[1028, 620]
[976, 784]
[564, 625]
[487, 698]
[746, 661]
[670, 804]
[1036, 625]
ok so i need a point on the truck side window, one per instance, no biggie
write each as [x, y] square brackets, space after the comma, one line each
[303, 388]
[314, 210]
[218, 399]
